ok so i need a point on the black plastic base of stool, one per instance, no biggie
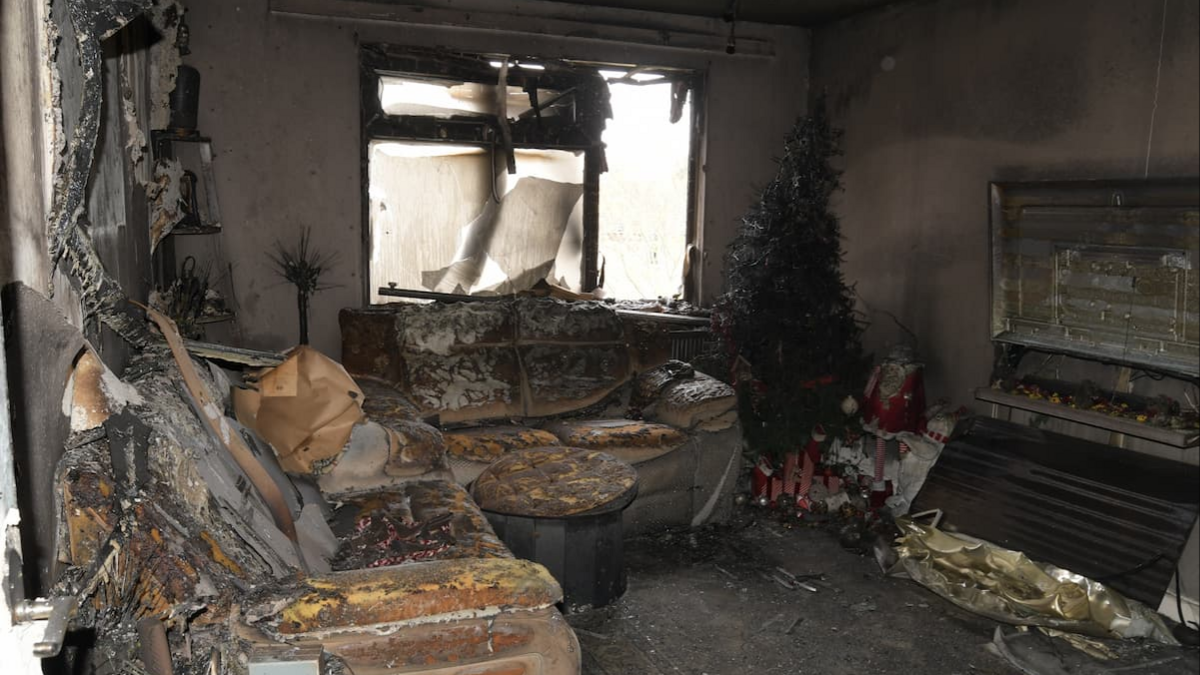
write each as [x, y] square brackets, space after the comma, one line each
[585, 553]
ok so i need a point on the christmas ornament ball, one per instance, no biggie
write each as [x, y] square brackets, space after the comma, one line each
[849, 405]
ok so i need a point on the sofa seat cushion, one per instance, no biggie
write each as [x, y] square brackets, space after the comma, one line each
[425, 520]
[517, 642]
[388, 596]
[554, 482]
[487, 444]
[628, 440]
[469, 451]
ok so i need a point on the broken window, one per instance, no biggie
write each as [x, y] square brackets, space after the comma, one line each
[644, 194]
[489, 175]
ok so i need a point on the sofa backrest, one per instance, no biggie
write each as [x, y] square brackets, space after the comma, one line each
[467, 361]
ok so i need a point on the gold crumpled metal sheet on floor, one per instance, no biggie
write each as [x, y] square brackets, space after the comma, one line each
[1007, 586]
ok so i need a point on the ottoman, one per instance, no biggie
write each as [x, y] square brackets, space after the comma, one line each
[561, 507]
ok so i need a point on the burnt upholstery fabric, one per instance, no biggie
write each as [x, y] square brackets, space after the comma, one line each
[425, 520]
[700, 402]
[390, 595]
[383, 400]
[472, 361]
[553, 482]
[487, 444]
[628, 440]
[414, 447]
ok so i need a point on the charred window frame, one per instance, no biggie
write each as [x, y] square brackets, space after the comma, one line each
[578, 84]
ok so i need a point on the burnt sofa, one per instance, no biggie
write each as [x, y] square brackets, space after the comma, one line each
[506, 374]
[394, 572]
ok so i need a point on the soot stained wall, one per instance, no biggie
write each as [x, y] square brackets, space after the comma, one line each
[280, 99]
[939, 98]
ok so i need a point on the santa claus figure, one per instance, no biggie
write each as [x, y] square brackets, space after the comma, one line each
[894, 404]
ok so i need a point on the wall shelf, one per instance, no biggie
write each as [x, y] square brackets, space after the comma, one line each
[1178, 438]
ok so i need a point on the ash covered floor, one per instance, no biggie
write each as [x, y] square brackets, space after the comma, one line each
[703, 603]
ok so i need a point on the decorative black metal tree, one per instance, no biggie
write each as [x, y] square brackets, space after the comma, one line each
[302, 266]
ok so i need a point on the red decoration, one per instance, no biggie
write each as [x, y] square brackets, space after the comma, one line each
[879, 495]
[760, 478]
[794, 479]
[895, 396]
[791, 472]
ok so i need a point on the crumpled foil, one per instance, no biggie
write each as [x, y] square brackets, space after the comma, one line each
[1007, 586]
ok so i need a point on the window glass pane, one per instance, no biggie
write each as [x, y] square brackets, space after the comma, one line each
[643, 196]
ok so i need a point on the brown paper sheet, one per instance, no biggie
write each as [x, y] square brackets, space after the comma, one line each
[305, 408]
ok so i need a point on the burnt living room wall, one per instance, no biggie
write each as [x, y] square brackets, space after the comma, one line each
[939, 98]
[280, 99]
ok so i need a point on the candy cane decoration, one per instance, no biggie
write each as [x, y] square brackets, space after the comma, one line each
[806, 477]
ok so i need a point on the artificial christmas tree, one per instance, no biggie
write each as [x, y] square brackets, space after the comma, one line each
[787, 319]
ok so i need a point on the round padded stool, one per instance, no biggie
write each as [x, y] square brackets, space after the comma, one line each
[561, 507]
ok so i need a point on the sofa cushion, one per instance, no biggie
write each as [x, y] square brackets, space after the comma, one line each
[383, 400]
[413, 448]
[701, 402]
[557, 321]
[468, 361]
[487, 444]
[369, 344]
[628, 440]
[475, 384]
[565, 378]
[422, 520]
[451, 328]
[369, 461]
[649, 384]
[516, 642]
[358, 599]
[553, 482]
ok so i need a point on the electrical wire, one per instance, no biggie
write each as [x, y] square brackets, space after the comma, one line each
[1179, 601]
[1133, 570]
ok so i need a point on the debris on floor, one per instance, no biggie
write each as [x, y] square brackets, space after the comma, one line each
[1007, 586]
[708, 601]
